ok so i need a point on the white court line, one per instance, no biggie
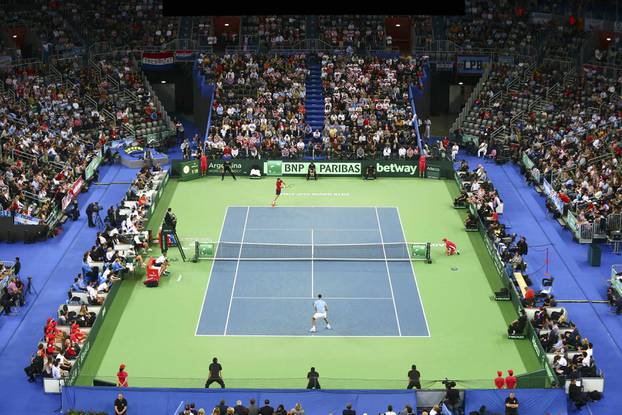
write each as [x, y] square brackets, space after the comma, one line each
[318, 207]
[311, 298]
[386, 264]
[308, 336]
[235, 275]
[312, 261]
[415, 278]
[307, 229]
[210, 273]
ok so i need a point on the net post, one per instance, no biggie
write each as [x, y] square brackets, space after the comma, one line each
[428, 255]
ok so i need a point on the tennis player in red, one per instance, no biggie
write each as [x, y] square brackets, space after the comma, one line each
[450, 247]
[279, 185]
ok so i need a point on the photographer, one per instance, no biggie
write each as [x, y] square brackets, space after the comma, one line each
[452, 396]
[311, 172]
[370, 172]
[91, 210]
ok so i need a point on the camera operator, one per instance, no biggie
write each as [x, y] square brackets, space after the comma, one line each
[91, 210]
[452, 396]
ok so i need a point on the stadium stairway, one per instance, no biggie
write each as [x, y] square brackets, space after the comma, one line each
[311, 27]
[185, 27]
[314, 98]
[575, 279]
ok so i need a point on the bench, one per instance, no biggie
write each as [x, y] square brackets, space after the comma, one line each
[531, 312]
[84, 296]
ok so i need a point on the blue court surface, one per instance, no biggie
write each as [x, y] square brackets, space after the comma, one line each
[271, 263]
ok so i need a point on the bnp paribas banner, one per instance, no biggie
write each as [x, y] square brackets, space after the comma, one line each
[323, 168]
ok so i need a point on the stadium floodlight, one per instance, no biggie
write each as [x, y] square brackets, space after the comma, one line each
[460, 83]
[226, 24]
[397, 25]
[608, 39]
[163, 82]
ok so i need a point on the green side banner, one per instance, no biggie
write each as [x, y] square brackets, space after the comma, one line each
[189, 170]
[93, 165]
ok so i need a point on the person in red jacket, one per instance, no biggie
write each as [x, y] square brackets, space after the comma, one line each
[499, 381]
[530, 297]
[203, 164]
[422, 158]
[450, 247]
[122, 376]
[510, 380]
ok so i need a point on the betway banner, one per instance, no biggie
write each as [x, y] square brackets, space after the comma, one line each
[158, 60]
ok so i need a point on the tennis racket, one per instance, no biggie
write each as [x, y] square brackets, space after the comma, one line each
[289, 186]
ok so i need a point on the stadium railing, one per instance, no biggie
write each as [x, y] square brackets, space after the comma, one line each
[545, 377]
[106, 306]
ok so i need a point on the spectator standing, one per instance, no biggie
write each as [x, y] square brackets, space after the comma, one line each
[252, 408]
[17, 266]
[390, 410]
[266, 409]
[408, 410]
[222, 407]
[510, 380]
[428, 125]
[499, 381]
[522, 246]
[240, 409]
[511, 405]
[314, 379]
[297, 410]
[215, 374]
[348, 410]
[120, 405]
[414, 378]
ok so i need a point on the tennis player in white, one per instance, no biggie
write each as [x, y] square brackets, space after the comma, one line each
[321, 311]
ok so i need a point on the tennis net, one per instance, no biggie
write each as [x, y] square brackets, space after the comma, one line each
[249, 251]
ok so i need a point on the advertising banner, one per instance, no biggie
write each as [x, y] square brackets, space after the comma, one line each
[471, 65]
[189, 170]
[73, 192]
[25, 220]
[238, 167]
[93, 165]
[553, 196]
[158, 61]
[323, 168]
[184, 55]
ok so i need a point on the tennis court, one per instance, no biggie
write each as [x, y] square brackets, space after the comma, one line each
[268, 344]
[271, 263]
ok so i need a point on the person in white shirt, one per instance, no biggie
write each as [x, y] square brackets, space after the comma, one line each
[483, 149]
[162, 263]
[321, 311]
[386, 152]
[428, 125]
[390, 410]
[92, 294]
[454, 151]
[56, 372]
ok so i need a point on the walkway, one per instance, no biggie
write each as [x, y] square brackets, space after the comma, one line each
[52, 265]
[575, 279]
